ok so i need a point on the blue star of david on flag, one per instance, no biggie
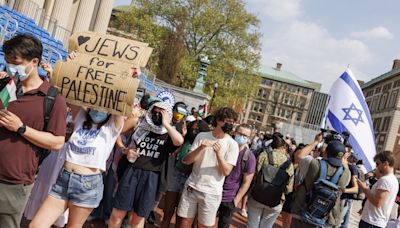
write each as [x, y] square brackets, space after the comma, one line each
[350, 115]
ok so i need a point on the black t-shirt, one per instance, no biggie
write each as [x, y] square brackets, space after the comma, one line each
[153, 151]
[353, 172]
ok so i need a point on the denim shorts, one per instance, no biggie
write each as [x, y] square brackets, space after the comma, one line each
[178, 181]
[81, 190]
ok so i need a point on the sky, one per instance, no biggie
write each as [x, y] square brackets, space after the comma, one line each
[317, 40]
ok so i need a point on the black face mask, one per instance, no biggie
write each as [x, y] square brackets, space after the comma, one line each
[156, 117]
[228, 127]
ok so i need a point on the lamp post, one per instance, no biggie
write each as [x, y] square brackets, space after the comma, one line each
[214, 91]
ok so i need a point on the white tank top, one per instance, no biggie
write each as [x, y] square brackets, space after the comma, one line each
[91, 147]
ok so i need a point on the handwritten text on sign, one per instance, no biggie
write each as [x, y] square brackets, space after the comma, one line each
[111, 47]
[96, 82]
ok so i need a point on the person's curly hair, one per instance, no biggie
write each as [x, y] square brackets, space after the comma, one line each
[224, 113]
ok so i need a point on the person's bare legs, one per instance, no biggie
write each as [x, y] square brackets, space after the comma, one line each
[286, 219]
[137, 221]
[171, 202]
[185, 222]
[77, 215]
[48, 213]
[116, 218]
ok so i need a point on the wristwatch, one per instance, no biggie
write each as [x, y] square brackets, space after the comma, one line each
[21, 130]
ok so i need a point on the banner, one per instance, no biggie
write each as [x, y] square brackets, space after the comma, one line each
[101, 83]
[348, 112]
[110, 47]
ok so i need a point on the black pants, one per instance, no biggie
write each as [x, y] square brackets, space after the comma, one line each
[363, 224]
[226, 210]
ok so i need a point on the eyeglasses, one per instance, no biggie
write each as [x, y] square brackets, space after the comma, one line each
[246, 136]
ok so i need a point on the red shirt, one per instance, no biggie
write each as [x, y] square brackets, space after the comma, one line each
[18, 160]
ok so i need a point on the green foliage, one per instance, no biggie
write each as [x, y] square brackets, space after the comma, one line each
[181, 31]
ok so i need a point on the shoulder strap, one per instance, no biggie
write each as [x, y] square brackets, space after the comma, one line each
[336, 176]
[245, 158]
[49, 101]
[323, 170]
[270, 157]
[286, 164]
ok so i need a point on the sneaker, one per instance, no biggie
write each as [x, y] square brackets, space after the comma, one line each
[152, 218]
[243, 213]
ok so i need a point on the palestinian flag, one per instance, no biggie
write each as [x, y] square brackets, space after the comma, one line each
[8, 93]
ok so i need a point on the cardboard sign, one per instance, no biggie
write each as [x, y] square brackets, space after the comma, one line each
[91, 81]
[110, 47]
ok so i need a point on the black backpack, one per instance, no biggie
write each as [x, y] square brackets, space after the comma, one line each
[271, 182]
[49, 100]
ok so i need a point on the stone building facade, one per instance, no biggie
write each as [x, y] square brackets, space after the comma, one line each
[281, 97]
[65, 17]
[382, 97]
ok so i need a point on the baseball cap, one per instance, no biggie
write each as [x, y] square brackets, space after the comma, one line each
[335, 150]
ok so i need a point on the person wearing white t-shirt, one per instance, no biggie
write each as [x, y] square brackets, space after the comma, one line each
[79, 186]
[381, 198]
[213, 155]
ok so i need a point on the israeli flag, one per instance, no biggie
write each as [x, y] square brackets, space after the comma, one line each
[348, 112]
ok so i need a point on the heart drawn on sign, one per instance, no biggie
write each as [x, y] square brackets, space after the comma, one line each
[82, 39]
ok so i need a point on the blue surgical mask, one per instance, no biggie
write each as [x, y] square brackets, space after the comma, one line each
[12, 69]
[97, 116]
[240, 139]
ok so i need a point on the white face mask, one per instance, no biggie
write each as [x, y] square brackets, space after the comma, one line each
[12, 69]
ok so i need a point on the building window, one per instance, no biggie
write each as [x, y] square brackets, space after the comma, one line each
[378, 90]
[387, 87]
[276, 95]
[302, 102]
[375, 105]
[396, 84]
[377, 124]
[385, 124]
[298, 116]
[288, 114]
[259, 92]
[258, 118]
[305, 92]
[382, 102]
[393, 99]
[369, 93]
[265, 93]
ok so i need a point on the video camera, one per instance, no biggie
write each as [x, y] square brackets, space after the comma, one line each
[330, 135]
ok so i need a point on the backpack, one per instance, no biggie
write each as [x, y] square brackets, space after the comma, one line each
[270, 182]
[322, 198]
[360, 195]
[49, 100]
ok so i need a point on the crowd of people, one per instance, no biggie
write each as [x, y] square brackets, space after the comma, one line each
[118, 169]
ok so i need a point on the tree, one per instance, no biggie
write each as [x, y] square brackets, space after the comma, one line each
[221, 29]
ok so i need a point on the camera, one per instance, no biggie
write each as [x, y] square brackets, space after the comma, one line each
[330, 135]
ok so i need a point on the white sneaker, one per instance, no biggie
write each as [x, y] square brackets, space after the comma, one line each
[243, 213]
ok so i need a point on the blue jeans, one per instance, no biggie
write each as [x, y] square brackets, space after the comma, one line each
[260, 215]
[345, 212]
